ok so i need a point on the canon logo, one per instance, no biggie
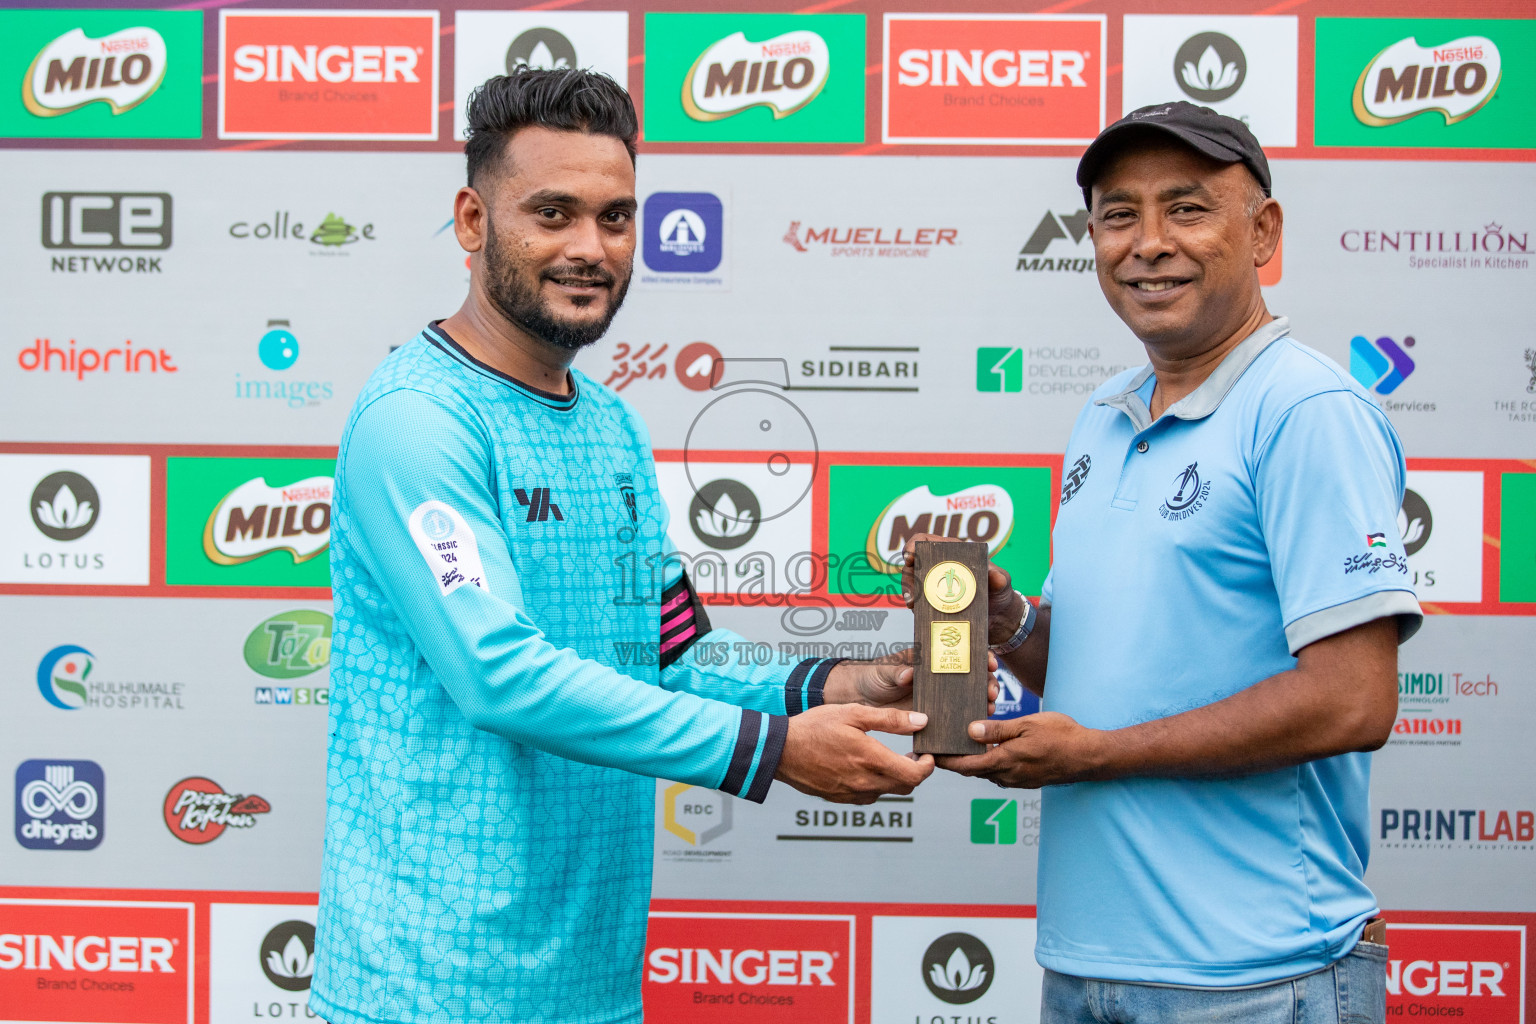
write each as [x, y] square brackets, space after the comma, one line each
[1445, 978]
[255, 63]
[1001, 68]
[742, 967]
[119, 953]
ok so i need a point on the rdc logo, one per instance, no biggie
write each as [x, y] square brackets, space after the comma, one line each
[684, 232]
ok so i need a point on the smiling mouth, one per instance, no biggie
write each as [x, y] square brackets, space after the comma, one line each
[1156, 286]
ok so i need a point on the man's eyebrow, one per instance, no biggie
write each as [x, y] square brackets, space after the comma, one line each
[1119, 195]
[550, 197]
[1168, 195]
[627, 204]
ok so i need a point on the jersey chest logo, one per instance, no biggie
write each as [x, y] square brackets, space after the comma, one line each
[541, 507]
[1075, 478]
[1189, 494]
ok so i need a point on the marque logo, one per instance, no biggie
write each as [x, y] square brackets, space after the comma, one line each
[538, 504]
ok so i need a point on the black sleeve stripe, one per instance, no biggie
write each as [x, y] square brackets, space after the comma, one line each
[681, 626]
[794, 700]
[741, 757]
[768, 764]
[813, 696]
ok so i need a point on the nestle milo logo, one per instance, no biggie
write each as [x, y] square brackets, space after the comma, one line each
[1454, 79]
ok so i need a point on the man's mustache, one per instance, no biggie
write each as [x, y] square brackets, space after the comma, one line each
[579, 275]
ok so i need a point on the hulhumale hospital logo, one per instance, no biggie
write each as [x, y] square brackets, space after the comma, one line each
[62, 676]
[958, 968]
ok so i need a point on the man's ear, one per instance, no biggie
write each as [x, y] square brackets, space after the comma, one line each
[1268, 220]
[469, 219]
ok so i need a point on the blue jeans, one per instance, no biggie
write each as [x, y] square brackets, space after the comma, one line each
[1351, 991]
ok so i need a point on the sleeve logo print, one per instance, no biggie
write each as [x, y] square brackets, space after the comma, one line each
[448, 545]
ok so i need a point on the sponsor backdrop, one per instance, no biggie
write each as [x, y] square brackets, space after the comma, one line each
[864, 306]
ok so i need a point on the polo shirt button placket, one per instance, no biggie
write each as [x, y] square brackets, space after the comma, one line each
[1142, 446]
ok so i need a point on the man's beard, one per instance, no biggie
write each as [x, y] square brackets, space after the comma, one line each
[520, 300]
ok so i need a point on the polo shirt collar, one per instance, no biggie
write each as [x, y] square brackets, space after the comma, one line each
[1205, 399]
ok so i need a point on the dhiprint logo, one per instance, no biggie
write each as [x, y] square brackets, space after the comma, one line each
[958, 968]
[121, 69]
[539, 505]
[1381, 366]
[290, 644]
[288, 955]
[684, 232]
[79, 362]
[62, 676]
[1054, 227]
[64, 506]
[1075, 478]
[1210, 67]
[197, 810]
[1189, 494]
[1454, 80]
[725, 514]
[60, 805]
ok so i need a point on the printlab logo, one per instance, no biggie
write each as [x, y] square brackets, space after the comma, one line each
[197, 810]
[725, 514]
[1414, 522]
[1210, 67]
[1189, 494]
[684, 232]
[288, 955]
[64, 506]
[131, 221]
[1381, 366]
[1054, 227]
[60, 805]
[278, 350]
[290, 645]
[1075, 478]
[958, 968]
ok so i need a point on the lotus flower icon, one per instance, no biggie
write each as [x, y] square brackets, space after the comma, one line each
[725, 514]
[65, 512]
[958, 968]
[724, 520]
[287, 955]
[64, 506]
[1210, 67]
[1211, 74]
[293, 961]
[958, 974]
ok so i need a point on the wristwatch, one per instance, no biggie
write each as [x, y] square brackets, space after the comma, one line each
[1026, 626]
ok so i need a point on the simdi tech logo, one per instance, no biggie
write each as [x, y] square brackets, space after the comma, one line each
[993, 79]
[127, 960]
[124, 74]
[1420, 82]
[754, 78]
[248, 522]
[328, 75]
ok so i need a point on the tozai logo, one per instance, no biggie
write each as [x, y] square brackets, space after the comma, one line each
[290, 644]
[958, 968]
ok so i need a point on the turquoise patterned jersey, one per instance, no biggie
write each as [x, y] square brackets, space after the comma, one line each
[515, 657]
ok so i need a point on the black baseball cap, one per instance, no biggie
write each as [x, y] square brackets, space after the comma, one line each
[1217, 136]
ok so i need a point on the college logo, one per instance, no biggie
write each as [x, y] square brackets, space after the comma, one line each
[684, 232]
[330, 237]
[958, 968]
[1075, 478]
[290, 644]
[1381, 366]
[328, 75]
[64, 506]
[754, 77]
[1055, 227]
[248, 522]
[1472, 971]
[288, 955]
[993, 79]
[103, 74]
[256, 519]
[197, 810]
[1189, 495]
[1424, 82]
[725, 514]
[60, 805]
[488, 43]
[136, 221]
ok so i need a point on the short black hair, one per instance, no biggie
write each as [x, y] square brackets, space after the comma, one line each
[567, 99]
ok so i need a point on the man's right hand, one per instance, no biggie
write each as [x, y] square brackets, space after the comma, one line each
[828, 753]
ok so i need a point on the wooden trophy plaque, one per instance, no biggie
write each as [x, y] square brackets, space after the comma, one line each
[949, 682]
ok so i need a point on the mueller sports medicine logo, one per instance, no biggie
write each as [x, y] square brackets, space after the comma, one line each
[121, 70]
[1471, 971]
[60, 805]
[257, 518]
[197, 810]
[782, 74]
[1454, 80]
[125, 221]
[898, 242]
[328, 75]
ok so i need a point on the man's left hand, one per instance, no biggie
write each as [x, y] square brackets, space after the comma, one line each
[886, 683]
[1045, 749]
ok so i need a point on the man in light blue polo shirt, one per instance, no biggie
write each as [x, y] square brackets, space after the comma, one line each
[1217, 641]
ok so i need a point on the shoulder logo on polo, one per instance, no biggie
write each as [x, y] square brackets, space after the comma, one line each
[1075, 478]
[540, 506]
[448, 545]
[1189, 494]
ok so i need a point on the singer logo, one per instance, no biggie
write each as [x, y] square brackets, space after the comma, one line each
[749, 967]
[1472, 971]
[993, 79]
[122, 70]
[96, 960]
[328, 75]
[1407, 79]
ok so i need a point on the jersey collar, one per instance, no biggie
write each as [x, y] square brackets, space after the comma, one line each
[1206, 398]
[445, 342]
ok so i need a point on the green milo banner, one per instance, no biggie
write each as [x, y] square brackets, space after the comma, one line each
[101, 74]
[873, 510]
[754, 78]
[1517, 541]
[248, 522]
[1425, 82]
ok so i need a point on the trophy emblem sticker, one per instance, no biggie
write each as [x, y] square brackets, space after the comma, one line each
[951, 647]
[949, 587]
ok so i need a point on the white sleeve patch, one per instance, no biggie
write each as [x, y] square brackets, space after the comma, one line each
[448, 545]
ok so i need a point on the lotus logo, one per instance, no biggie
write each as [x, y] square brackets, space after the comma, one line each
[540, 48]
[958, 968]
[121, 70]
[1210, 67]
[981, 513]
[1407, 79]
[288, 955]
[1414, 522]
[725, 514]
[783, 74]
[64, 506]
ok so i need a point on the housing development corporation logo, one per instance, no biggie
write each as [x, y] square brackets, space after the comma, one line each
[197, 810]
[754, 77]
[1380, 366]
[1005, 79]
[60, 805]
[958, 968]
[328, 75]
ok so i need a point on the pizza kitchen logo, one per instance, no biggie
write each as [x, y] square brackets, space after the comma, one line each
[121, 69]
[256, 519]
[1405, 80]
[197, 810]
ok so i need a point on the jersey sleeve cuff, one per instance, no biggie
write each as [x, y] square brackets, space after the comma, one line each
[755, 756]
[1400, 604]
[804, 689]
